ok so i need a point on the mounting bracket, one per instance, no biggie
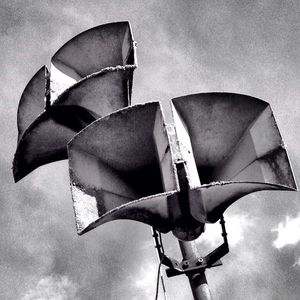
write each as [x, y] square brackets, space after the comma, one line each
[192, 265]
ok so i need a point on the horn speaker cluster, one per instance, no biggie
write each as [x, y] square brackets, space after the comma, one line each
[90, 76]
[125, 162]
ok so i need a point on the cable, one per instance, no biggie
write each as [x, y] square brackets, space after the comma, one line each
[158, 277]
[159, 274]
[161, 243]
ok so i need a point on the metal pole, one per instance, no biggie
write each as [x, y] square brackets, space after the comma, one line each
[198, 280]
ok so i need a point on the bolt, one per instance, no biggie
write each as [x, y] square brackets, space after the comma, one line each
[185, 264]
[199, 261]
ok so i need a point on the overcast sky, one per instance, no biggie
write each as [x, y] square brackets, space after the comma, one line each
[184, 47]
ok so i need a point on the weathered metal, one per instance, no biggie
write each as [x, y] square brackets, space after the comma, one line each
[32, 103]
[237, 147]
[124, 166]
[129, 164]
[197, 280]
[115, 169]
[195, 264]
[98, 49]
[95, 49]
[91, 76]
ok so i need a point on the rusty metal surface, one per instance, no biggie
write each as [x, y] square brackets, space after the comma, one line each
[46, 138]
[95, 50]
[217, 197]
[238, 150]
[32, 102]
[115, 166]
[97, 96]
[234, 137]
[103, 60]
[124, 166]
[102, 92]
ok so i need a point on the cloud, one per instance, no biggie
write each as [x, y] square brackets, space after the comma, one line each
[297, 263]
[52, 288]
[146, 280]
[183, 48]
[288, 232]
[236, 226]
[144, 284]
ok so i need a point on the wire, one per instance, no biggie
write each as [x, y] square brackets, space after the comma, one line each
[158, 277]
[159, 274]
[161, 243]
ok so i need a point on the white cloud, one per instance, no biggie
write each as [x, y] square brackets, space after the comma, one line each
[236, 225]
[288, 232]
[146, 281]
[52, 288]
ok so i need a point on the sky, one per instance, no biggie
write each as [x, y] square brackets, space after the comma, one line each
[183, 47]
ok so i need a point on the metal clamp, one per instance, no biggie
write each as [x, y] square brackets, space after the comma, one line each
[192, 265]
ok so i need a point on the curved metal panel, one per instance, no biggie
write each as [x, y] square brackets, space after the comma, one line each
[46, 138]
[93, 71]
[218, 196]
[153, 211]
[237, 149]
[118, 161]
[98, 95]
[100, 47]
[102, 92]
[230, 135]
[32, 101]
[216, 122]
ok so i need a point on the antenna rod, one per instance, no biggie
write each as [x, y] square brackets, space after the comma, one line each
[198, 280]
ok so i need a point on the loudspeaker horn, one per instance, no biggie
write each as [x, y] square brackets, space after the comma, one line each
[131, 165]
[91, 76]
[237, 148]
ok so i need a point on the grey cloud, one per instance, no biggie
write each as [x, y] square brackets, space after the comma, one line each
[184, 47]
